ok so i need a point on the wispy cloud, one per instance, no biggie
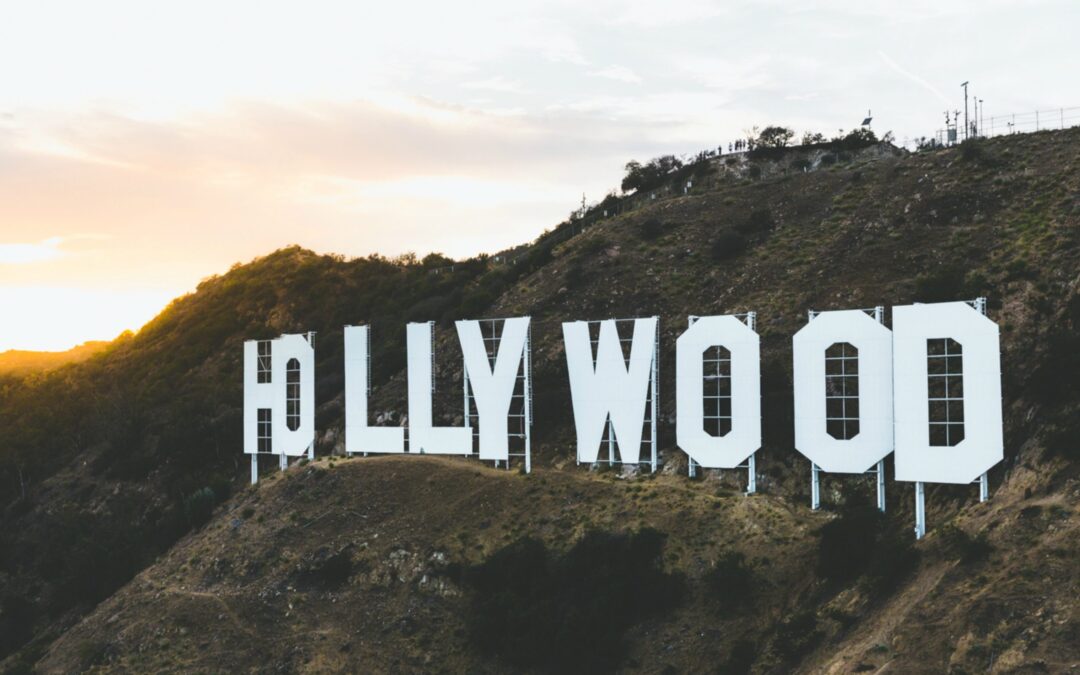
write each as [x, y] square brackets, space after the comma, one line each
[913, 77]
[497, 83]
[27, 253]
[617, 73]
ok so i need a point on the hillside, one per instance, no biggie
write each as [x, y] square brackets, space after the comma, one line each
[24, 362]
[107, 463]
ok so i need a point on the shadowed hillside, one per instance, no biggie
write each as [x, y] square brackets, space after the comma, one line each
[106, 463]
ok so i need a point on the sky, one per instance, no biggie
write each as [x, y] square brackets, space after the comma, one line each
[145, 146]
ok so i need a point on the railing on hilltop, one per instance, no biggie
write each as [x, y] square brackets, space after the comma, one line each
[1015, 123]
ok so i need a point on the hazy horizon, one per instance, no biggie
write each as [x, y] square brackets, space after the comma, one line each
[144, 148]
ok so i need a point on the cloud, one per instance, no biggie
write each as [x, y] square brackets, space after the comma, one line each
[617, 73]
[498, 84]
[25, 254]
[913, 77]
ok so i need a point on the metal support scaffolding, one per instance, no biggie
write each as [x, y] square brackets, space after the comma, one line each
[750, 319]
[878, 471]
[983, 481]
[652, 402]
[520, 414]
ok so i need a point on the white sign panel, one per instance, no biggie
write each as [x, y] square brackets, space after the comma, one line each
[947, 373]
[424, 437]
[741, 413]
[279, 396]
[493, 388]
[842, 373]
[359, 436]
[608, 387]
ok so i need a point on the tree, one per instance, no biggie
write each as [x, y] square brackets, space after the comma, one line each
[632, 180]
[653, 174]
[856, 139]
[812, 138]
[774, 137]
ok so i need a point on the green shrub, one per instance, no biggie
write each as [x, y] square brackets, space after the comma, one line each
[797, 635]
[730, 584]
[862, 542]
[569, 612]
[974, 150]
[1063, 440]
[741, 659]
[650, 229]
[199, 506]
[968, 549]
[943, 284]
[727, 244]
[594, 246]
[575, 276]
[757, 222]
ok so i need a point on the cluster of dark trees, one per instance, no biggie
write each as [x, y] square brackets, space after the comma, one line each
[660, 170]
[769, 142]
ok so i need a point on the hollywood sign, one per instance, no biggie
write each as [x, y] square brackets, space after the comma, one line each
[928, 390]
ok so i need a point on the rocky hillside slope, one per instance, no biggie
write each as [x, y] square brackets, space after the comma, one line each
[109, 462]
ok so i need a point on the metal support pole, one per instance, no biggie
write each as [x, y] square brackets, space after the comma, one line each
[752, 462]
[655, 395]
[283, 462]
[611, 443]
[984, 487]
[881, 486]
[920, 510]
[311, 446]
[691, 468]
[465, 395]
[751, 470]
[879, 316]
[815, 487]
[254, 468]
[527, 391]
[967, 129]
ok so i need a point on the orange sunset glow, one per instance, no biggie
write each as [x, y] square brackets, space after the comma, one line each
[144, 147]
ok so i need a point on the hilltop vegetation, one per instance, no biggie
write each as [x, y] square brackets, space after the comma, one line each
[21, 362]
[107, 463]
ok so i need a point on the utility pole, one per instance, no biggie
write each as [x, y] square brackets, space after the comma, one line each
[975, 117]
[982, 112]
[964, 84]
